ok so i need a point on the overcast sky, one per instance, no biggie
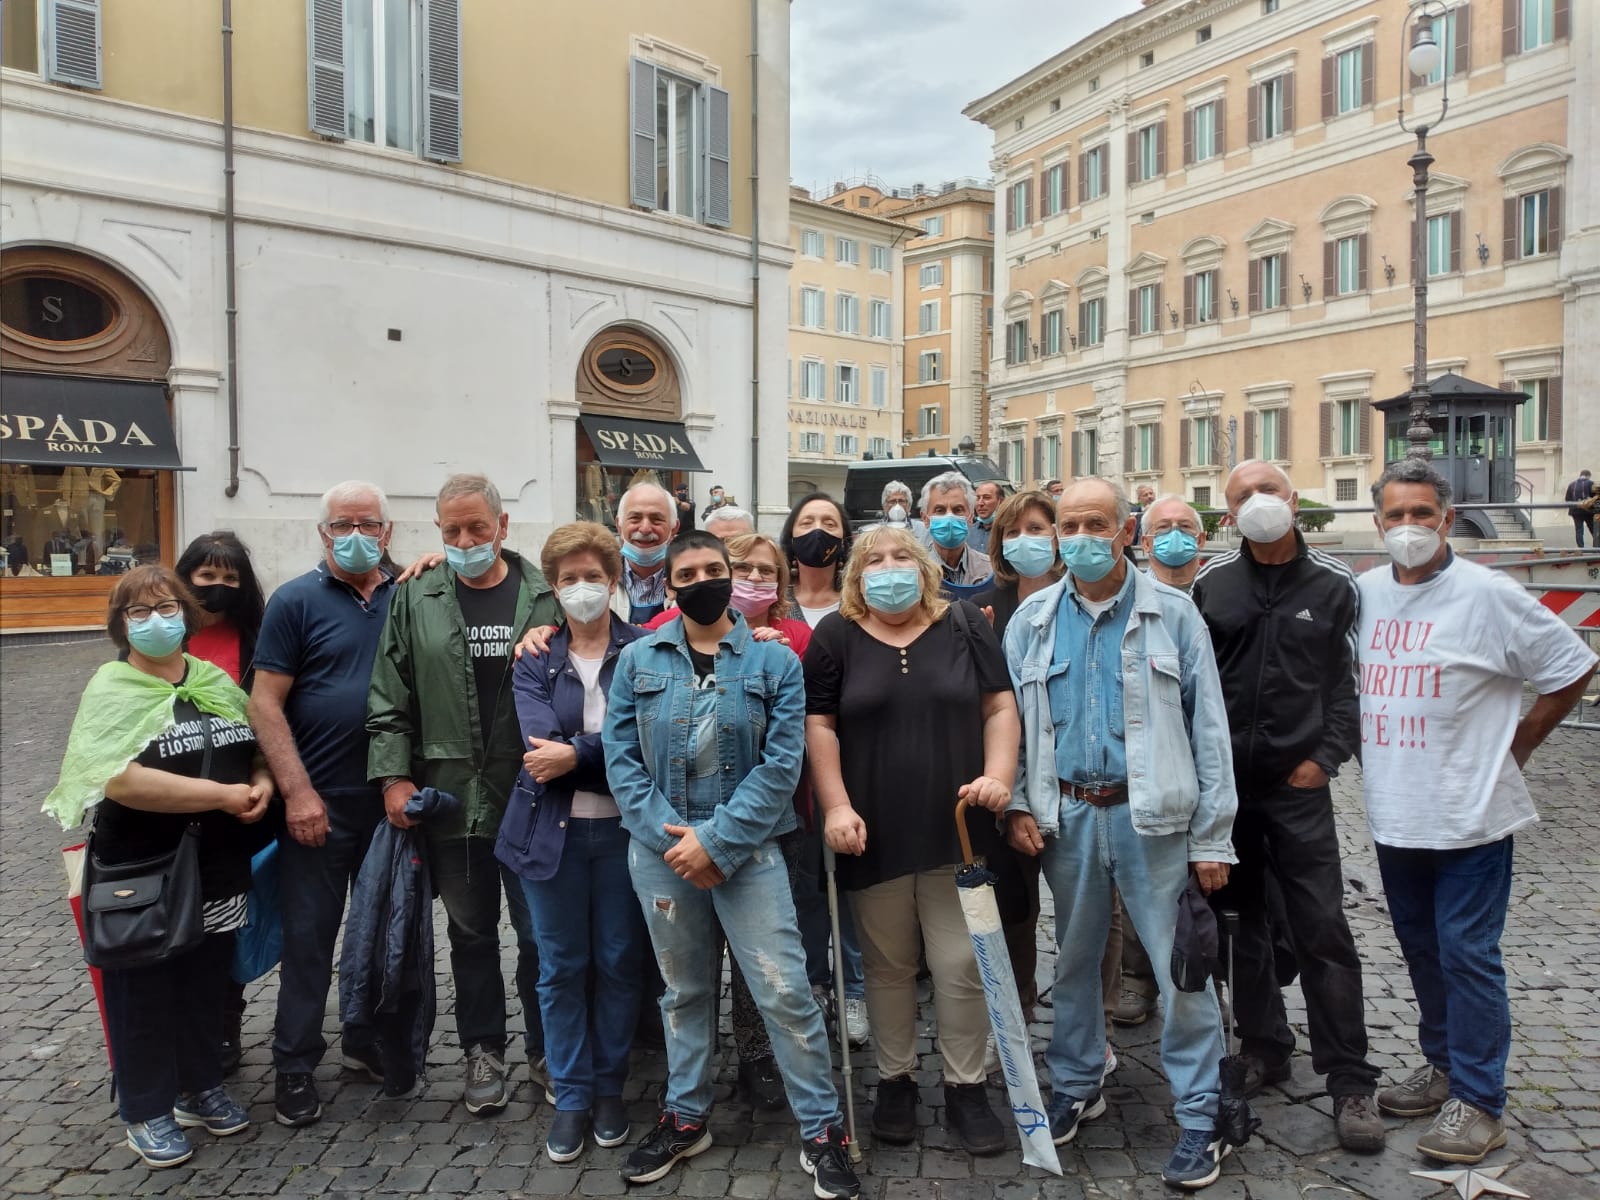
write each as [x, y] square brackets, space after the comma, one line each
[878, 85]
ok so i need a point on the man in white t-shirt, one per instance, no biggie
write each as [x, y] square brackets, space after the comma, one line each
[1446, 646]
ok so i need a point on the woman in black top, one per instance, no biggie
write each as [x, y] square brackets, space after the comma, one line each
[200, 766]
[909, 706]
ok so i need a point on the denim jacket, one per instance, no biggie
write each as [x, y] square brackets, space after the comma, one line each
[1180, 762]
[760, 713]
[549, 697]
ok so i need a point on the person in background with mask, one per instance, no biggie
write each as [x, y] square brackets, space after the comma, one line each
[440, 714]
[908, 707]
[948, 502]
[816, 539]
[217, 568]
[719, 497]
[685, 507]
[1283, 620]
[986, 498]
[1474, 640]
[895, 504]
[703, 742]
[1173, 538]
[562, 835]
[647, 519]
[1144, 804]
[1144, 497]
[313, 664]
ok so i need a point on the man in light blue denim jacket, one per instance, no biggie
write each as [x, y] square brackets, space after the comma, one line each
[704, 736]
[1126, 778]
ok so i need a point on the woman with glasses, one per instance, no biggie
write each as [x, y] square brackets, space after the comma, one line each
[161, 741]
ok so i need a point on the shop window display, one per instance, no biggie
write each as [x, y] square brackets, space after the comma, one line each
[64, 521]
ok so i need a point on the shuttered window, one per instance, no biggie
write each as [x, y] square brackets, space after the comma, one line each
[72, 42]
[680, 145]
[441, 80]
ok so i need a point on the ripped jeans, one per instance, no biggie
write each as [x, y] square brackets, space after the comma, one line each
[756, 910]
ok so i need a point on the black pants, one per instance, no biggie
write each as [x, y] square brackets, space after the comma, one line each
[316, 883]
[1290, 832]
[165, 1025]
[1580, 522]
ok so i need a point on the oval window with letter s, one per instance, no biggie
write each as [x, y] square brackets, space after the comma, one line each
[626, 366]
[52, 309]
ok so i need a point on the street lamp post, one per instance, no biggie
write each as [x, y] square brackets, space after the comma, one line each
[1421, 60]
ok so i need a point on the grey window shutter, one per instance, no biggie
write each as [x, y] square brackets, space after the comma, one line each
[719, 158]
[1554, 201]
[1361, 261]
[1328, 99]
[1077, 451]
[1188, 137]
[1330, 269]
[1288, 102]
[1128, 442]
[1083, 178]
[1133, 157]
[1184, 446]
[72, 42]
[1284, 426]
[1463, 39]
[325, 67]
[1250, 448]
[1553, 408]
[1155, 447]
[441, 80]
[1188, 304]
[1134, 321]
[642, 137]
[1561, 19]
[1252, 114]
[1369, 73]
[1511, 244]
[1255, 285]
[1364, 424]
[1510, 28]
[1455, 243]
[1038, 459]
[1219, 123]
[1325, 438]
[1161, 148]
[1005, 459]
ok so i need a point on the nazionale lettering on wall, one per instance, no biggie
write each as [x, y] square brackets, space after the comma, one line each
[798, 416]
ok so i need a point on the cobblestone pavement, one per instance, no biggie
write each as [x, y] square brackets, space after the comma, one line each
[58, 1134]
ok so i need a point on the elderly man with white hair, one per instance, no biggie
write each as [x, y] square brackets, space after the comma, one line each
[948, 505]
[647, 519]
[308, 707]
[1173, 537]
[1283, 620]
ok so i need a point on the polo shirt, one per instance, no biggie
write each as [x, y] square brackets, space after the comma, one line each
[318, 629]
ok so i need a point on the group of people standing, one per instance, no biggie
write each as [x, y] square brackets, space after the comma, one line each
[651, 734]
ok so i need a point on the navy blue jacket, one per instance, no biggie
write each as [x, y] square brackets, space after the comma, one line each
[549, 698]
[386, 966]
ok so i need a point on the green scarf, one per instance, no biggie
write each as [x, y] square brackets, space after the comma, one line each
[122, 711]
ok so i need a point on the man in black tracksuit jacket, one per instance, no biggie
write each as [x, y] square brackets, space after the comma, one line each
[1283, 623]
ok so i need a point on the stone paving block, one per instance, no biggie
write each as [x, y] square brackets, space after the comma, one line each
[753, 1186]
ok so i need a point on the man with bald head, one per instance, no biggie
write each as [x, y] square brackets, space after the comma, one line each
[1283, 620]
[647, 519]
[1172, 539]
[1124, 778]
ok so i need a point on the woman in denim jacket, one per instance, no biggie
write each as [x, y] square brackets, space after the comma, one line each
[704, 734]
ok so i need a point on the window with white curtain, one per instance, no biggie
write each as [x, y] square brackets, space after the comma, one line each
[382, 69]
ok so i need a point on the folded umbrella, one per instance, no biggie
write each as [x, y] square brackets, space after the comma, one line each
[975, 886]
[1236, 1120]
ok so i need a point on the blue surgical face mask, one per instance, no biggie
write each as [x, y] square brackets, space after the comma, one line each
[644, 556]
[1030, 554]
[1175, 548]
[1089, 558]
[948, 531]
[157, 636]
[356, 552]
[892, 589]
[473, 561]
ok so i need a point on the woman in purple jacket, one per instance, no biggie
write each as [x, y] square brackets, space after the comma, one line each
[563, 837]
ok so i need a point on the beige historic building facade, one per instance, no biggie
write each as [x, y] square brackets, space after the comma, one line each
[846, 294]
[548, 242]
[1204, 227]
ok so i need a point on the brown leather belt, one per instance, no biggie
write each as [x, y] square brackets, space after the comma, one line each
[1100, 797]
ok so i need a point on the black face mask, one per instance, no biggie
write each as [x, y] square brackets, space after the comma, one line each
[819, 548]
[216, 597]
[705, 602]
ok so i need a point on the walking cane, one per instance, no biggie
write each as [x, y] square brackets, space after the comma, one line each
[838, 1002]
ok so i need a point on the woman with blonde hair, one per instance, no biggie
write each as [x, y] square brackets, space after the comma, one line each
[909, 706]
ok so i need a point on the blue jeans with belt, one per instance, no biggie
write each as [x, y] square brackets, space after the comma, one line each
[1449, 910]
[586, 921]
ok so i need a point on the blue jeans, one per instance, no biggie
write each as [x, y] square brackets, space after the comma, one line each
[469, 880]
[1449, 910]
[1095, 848]
[586, 920]
[756, 911]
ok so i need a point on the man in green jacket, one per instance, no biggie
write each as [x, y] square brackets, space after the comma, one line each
[440, 714]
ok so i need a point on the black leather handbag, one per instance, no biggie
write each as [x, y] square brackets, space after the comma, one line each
[137, 914]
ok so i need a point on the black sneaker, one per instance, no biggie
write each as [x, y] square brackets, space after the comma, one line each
[567, 1134]
[761, 1085]
[894, 1117]
[827, 1161]
[610, 1121]
[971, 1121]
[663, 1146]
[367, 1060]
[295, 1100]
[1066, 1114]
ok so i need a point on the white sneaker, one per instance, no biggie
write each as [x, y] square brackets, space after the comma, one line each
[855, 1020]
[1111, 1064]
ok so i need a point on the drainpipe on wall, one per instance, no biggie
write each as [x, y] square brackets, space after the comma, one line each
[227, 241]
[755, 262]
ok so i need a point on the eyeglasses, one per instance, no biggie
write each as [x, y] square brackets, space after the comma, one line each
[141, 612]
[343, 528]
[745, 570]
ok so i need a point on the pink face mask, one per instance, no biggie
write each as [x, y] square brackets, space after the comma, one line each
[754, 599]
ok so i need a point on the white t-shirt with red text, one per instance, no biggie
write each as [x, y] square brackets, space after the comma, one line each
[1442, 669]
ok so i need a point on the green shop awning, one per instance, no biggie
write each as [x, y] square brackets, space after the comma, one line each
[653, 445]
[61, 421]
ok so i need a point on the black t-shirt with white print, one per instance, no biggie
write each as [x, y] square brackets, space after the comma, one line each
[489, 615]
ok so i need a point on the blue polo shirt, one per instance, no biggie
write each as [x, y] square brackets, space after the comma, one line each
[318, 629]
[1085, 688]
